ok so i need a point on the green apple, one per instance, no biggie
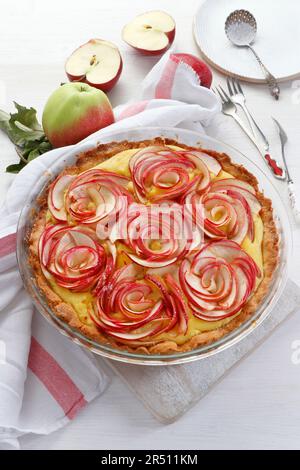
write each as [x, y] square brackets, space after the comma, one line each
[73, 112]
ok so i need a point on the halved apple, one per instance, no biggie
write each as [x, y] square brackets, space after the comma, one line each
[97, 62]
[150, 33]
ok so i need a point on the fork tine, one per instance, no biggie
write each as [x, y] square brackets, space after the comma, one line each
[229, 86]
[216, 91]
[222, 96]
[234, 85]
[227, 98]
[239, 87]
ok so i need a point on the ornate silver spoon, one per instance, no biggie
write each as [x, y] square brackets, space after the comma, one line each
[240, 28]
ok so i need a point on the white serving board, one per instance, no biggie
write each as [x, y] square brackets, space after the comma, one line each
[169, 392]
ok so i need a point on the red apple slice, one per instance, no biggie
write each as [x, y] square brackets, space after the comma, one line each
[150, 33]
[97, 62]
[73, 256]
[218, 280]
[56, 196]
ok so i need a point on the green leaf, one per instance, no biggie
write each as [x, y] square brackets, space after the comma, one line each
[27, 117]
[42, 146]
[4, 121]
[24, 130]
[15, 168]
[24, 125]
[45, 146]
[33, 154]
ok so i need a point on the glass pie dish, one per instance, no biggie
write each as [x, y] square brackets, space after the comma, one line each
[189, 138]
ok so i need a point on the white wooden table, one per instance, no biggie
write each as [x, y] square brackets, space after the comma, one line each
[258, 404]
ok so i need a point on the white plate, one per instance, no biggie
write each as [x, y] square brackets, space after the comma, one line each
[277, 40]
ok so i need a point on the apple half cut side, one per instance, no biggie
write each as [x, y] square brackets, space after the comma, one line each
[151, 33]
[97, 62]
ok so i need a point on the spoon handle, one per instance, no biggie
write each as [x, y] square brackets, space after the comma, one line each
[271, 80]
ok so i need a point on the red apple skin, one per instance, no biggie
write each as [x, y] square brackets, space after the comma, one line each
[73, 112]
[200, 68]
[94, 120]
[102, 86]
[171, 36]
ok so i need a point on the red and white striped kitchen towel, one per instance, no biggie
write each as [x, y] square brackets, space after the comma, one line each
[44, 378]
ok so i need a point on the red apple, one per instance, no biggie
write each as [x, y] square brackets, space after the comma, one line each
[97, 62]
[199, 67]
[73, 112]
[151, 33]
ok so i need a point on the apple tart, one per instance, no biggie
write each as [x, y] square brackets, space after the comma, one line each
[153, 246]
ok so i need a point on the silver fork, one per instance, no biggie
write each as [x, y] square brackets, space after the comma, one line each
[238, 97]
[230, 109]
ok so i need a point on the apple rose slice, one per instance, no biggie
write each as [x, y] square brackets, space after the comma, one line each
[160, 173]
[132, 308]
[73, 256]
[235, 186]
[56, 196]
[219, 280]
[240, 191]
[97, 195]
[220, 215]
[160, 235]
[226, 210]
